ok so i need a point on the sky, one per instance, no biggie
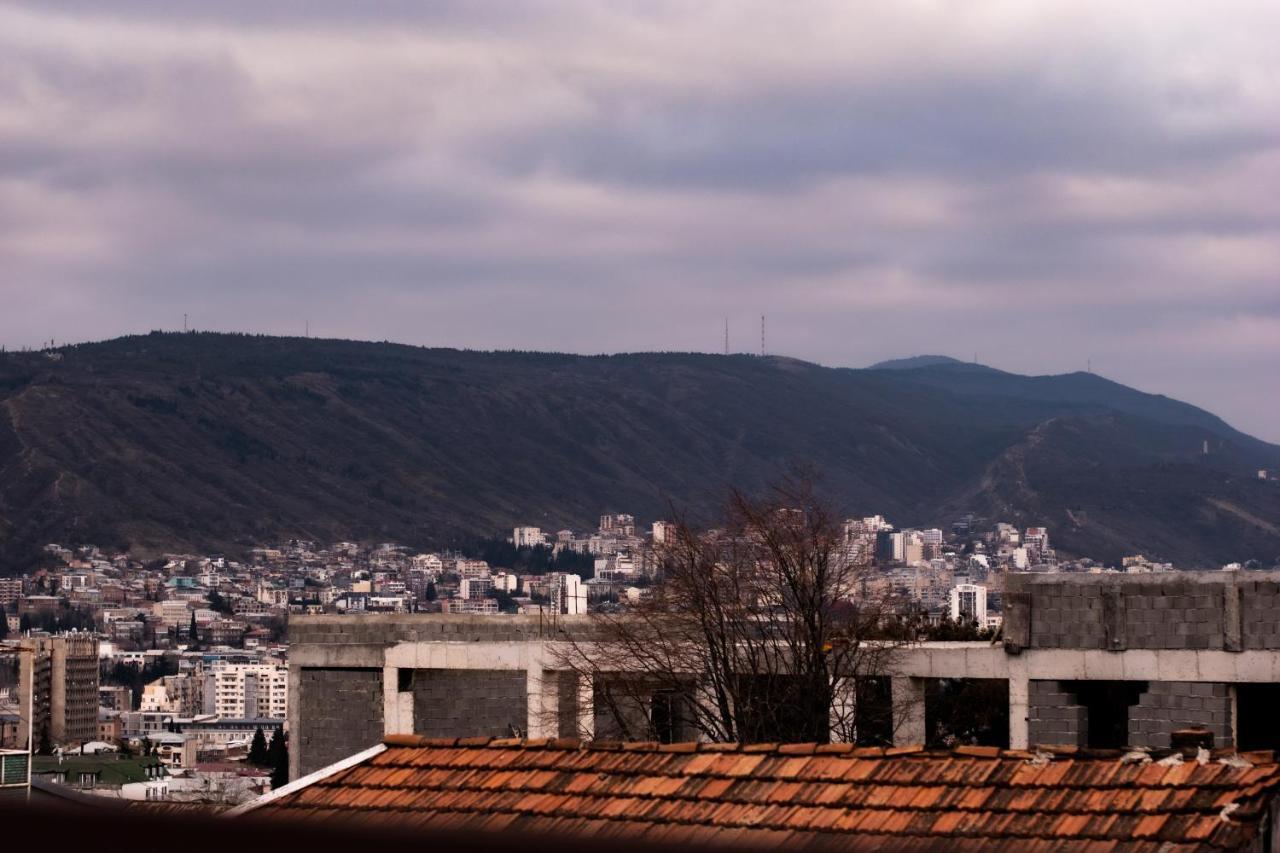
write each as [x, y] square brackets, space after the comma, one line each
[1044, 186]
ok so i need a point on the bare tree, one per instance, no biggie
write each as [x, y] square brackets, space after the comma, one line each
[764, 629]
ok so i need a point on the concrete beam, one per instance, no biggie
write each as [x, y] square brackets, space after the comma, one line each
[1019, 705]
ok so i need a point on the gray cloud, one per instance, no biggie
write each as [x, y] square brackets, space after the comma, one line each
[1042, 185]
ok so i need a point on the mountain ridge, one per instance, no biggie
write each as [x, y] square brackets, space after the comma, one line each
[214, 442]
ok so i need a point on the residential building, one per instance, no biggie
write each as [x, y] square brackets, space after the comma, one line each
[969, 604]
[528, 537]
[59, 675]
[115, 698]
[181, 695]
[250, 690]
[10, 591]
[566, 593]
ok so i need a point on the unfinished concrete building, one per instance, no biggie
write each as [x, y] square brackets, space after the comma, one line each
[1087, 660]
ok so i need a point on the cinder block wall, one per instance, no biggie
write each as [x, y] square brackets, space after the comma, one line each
[1260, 611]
[1227, 611]
[343, 715]
[1171, 705]
[1055, 718]
[469, 703]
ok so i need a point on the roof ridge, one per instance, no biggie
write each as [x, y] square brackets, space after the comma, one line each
[1052, 752]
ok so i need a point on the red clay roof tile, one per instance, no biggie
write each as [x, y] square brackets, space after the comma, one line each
[974, 799]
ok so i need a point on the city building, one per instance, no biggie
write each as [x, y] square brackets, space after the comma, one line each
[566, 593]
[528, 537]
[969, 604]
[250, 690]
[59, 675]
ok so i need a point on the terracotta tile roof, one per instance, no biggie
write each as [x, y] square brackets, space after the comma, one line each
[770, 795]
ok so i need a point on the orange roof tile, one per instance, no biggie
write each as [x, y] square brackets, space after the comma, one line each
[793, 795]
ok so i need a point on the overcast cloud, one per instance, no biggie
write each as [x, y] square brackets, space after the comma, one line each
[1039, 183]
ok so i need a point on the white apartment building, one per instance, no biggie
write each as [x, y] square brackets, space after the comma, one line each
[663, 532]
[249, 691]
[567, 594]
[427, 563]
[528, 537]
[969, 604]
[272, 596]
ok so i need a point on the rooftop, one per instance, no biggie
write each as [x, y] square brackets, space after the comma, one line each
[796, 794]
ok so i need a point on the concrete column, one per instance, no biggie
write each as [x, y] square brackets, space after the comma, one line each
[1019, 704]
[543, 691]
[908, 711]
[1232, 628]
[397, 705]
[844, 699]
[292, 713]
[586, 706]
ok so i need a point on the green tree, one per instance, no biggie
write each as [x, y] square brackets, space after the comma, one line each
[24, 623]
[46, 745]
[278, 756]
[192, 630]
[220, 604]
[432, 595]
[4, 625]
[258, 749]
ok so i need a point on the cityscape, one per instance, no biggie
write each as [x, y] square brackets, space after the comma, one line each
[658, 426]
[185, 657]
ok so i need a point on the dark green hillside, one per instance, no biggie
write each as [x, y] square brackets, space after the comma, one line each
[214, 441]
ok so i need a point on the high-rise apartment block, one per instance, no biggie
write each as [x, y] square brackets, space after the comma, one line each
[969, 604]
[59, 676]
[528, 537]
[250, 691]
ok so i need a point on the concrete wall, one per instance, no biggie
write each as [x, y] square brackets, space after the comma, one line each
[1230, 611]
[343, 715]
[1160, 611]
[1054, 716]
[1260, 611]
[1171, 705]
[388, 629]
[469, 703]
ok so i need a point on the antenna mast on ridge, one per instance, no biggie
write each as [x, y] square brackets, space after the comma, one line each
[726, 335]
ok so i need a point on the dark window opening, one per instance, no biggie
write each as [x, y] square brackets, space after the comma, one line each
[873, 714]
[667, 712]
[966, 712]
[404, 680]
[1255, 716]
[1107, 704]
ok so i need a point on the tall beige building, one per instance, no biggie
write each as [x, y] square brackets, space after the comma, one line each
[65, 690]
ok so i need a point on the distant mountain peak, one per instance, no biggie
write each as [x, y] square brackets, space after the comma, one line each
[916, 361]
